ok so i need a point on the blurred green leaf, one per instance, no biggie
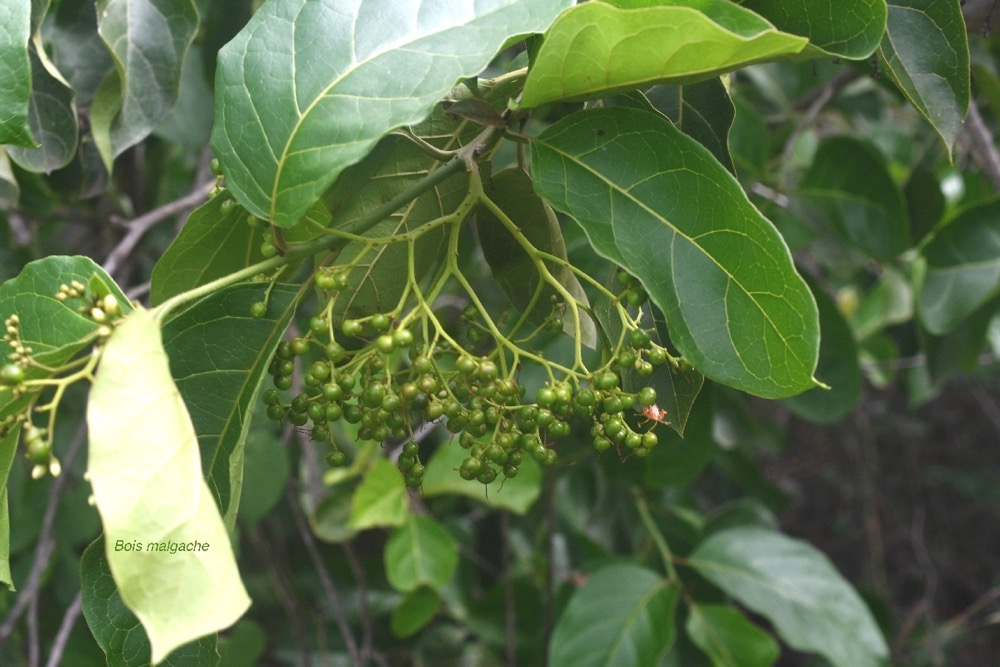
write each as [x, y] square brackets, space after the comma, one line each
[219, 355]
[145, 472]
[415, 611]
[266, 470]
[728, 638]
[659, 205]
[516, 495]
[888, 303]
[8, 448]
[850, 187]
[77, 48]
[924, 201]
[10, 191]
[963, 268]
[420, 552]
[380, 499]
[305, 89]
[148, 40]
[925, 51]
[243, 646]
[794, 586]
[15, 73]
[118, 631]
[622, 615]
[841, 28]
[838, 367]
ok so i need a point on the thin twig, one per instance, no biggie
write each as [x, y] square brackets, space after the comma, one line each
[46, 544]
[65, 628]
[34, 652]
[550, 530]
[984, 150]
[367, 633]
[510, 611]
[333, 599]
[137, 227]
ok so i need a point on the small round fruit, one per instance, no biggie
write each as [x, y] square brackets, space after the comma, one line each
[258, 310]
[11, 375]
[380, 322]
[336, 458]
[403, 338]
[639, 338]
[39, 451]
[385, 343]
[351, 327]
[268, 249]
[300, 346]
[647, 396]
[325, 281]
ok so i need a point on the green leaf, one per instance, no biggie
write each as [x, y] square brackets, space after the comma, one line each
[15, 73]
[414, 612]
[118, 631]
[381, 499]
[924, 201]
[840, 28]
[703, 111]
[219, 355]
[513, 268]
[925, 51]
[795, 587]
[960, 349]
[658, 204]
[266, 470]
[307, 88]
[421, 552]
[243, 646]
[851, 189]
[888, 303]
[210, 245]
[678, 461]
[148, 40]
[596, 49]
[838, 367]
[145, 472]
[516, 495]
[728, 638]
[623, 615]
[963, 268]
[10, 191]
[189, 123]
[70, 33]
[52, 119]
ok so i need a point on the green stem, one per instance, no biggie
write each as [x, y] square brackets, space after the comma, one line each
[655, 534]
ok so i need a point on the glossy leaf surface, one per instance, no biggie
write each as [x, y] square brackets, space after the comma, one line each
[306, 89]
[380, 499]
[421, 552]
[145, 472]
[794, 586]
[703, 111]
[840, 28]
[117, 630]
[622, 615]
[596, 49]
[658, 204]
[963, 268]
[925, 50]
[148, 40]
[219, 355]
[15, 68]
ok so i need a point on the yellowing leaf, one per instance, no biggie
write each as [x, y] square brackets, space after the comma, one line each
[167, 547]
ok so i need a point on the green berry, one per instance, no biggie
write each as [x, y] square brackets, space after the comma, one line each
[215, 166]
[268, 249]
[325, 281]
[380, 322]
[317, 325]
[639, 338]
[335, 352]
[300, 346]
[39, 451]
[385, 343]
[647, 396]
[258, 310]
[470, 468]
[11, 375]
[226, 207]
[351, 327]
[403, 338]
[336, 458]
[271, 397]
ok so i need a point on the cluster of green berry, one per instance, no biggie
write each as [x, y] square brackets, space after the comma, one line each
[390, 385]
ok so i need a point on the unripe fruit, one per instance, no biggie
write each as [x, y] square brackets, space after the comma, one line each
[11, 375]
[258, 310]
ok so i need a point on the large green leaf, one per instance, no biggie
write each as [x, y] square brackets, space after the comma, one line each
[795, 587]
[118, 631]
[728, 638]
[52, 119]
[517, 494]
[596, 49]
[840, 28]
[15, 73]
[148, 40]
[219, 355]
[307, 88]
[703, 111]
[421, 552]
[657, 203]
[380, 499]
[850, 187]
[623, 615]
[513, 268]
[145, 472]
[925, 50]
[209, 246]
[963, 268]
[77, 48]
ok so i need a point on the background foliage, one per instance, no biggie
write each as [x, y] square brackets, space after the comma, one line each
[804, 191]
